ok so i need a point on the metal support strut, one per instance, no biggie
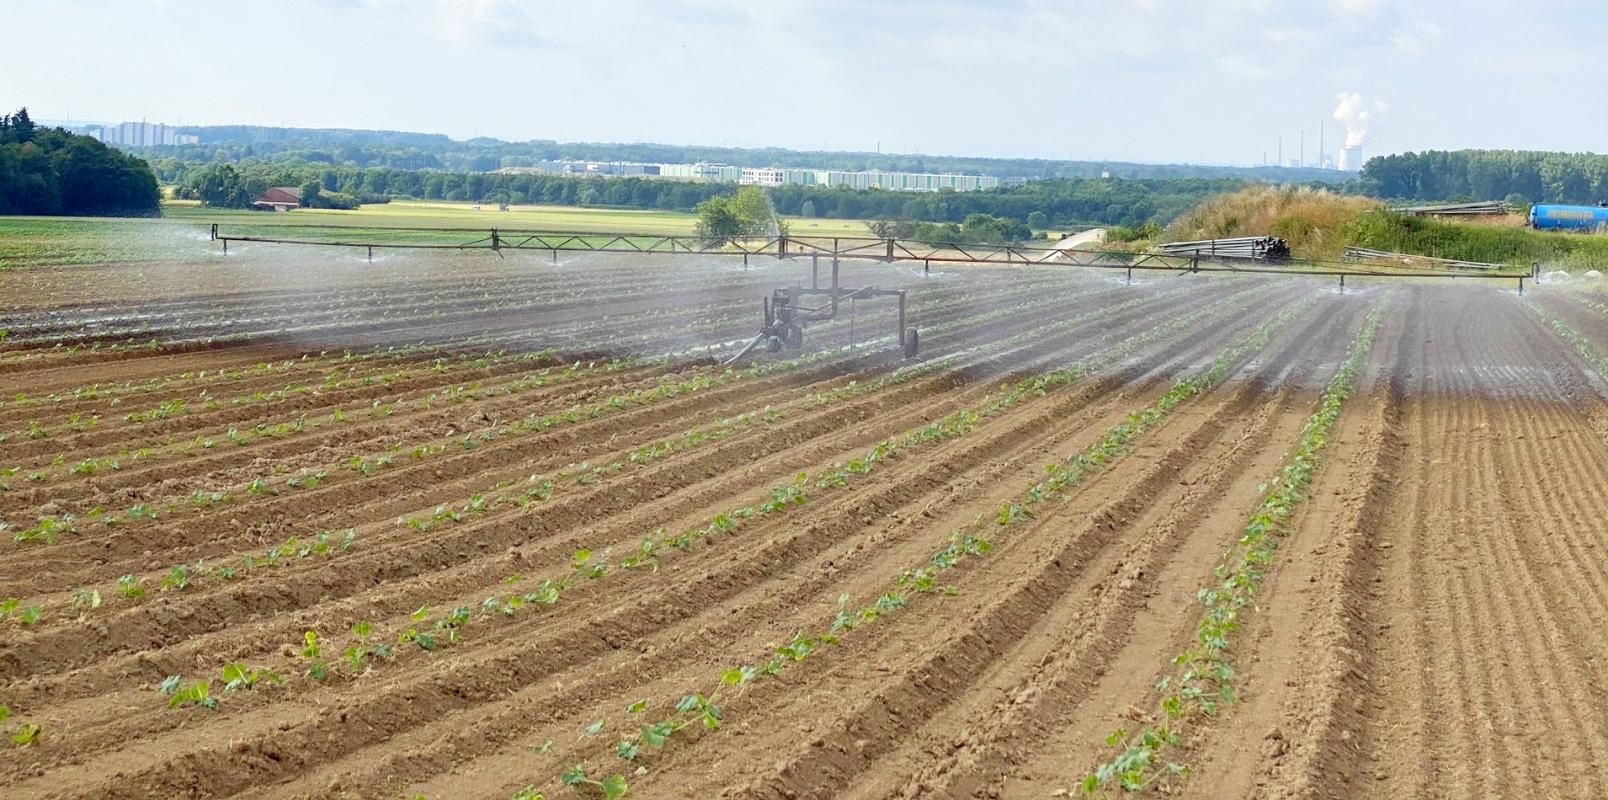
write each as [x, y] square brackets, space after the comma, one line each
[789, 309]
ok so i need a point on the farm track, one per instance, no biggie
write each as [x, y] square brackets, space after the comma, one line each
[1431, 624]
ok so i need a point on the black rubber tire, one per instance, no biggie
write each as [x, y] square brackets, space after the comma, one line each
[793, 337]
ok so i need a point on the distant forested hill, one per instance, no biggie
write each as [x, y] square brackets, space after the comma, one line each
[399, 150]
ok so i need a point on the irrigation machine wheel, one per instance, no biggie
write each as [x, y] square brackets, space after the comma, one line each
[793, 337]
[912, 343]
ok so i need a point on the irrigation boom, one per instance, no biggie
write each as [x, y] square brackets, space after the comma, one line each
[842, 247]
[788, 309]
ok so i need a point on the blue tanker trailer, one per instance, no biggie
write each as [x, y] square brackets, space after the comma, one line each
[1568, 218]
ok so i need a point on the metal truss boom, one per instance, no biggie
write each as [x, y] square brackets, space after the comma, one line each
[836, 247]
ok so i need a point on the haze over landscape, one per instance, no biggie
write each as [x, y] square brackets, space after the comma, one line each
[625, 400]
[1209, 81]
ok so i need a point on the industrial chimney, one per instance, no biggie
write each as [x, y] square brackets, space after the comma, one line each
[1351, 158]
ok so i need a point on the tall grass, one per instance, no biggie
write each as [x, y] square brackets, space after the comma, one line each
[1321, 225]
[1311, 220]
[1382, 230]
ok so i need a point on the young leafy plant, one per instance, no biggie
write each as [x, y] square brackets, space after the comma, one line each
[198, 694]
[613, 787]
[237, 676]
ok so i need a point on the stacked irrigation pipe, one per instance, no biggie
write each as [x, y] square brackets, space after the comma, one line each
[1459, 209]
[1365, 254]
[1267, 248]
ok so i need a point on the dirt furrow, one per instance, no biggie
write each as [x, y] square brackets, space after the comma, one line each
[514, 666]
[825, 748]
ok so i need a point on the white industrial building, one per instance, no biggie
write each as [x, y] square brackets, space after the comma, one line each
[779, 176]
[140, 134]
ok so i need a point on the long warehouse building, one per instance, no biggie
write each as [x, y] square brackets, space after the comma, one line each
[781, 176]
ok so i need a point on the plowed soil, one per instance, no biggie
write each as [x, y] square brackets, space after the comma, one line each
[460, 461]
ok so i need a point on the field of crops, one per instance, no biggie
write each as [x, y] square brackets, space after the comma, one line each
[61, 241]
[289, 525]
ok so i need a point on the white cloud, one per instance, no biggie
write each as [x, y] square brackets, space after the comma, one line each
[1359, 7]
[482, 21]
[957, 76]
[1415, 38]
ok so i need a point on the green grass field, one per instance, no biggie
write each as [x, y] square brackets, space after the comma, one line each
[181, 234]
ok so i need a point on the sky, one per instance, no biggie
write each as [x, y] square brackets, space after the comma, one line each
[1196, 81]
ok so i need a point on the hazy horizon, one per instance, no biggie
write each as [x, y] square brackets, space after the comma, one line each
[1156, 81]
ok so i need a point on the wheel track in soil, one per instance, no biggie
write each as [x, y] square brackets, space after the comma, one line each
[938, 688]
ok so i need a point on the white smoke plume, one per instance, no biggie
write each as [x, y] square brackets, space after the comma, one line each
[1356, 114]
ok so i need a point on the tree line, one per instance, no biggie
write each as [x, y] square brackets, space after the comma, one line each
[1519, 176]
[51, 171]
[1066, 201]
[401, 150]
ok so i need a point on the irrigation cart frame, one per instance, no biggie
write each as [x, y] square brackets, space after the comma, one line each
[786, 246]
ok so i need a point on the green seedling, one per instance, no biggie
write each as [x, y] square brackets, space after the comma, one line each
[10, 608]
[199, 694]
[27, 735]
[236, 676]
[613, 787]
[129, 587]
[178, 578]
[313, 652]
